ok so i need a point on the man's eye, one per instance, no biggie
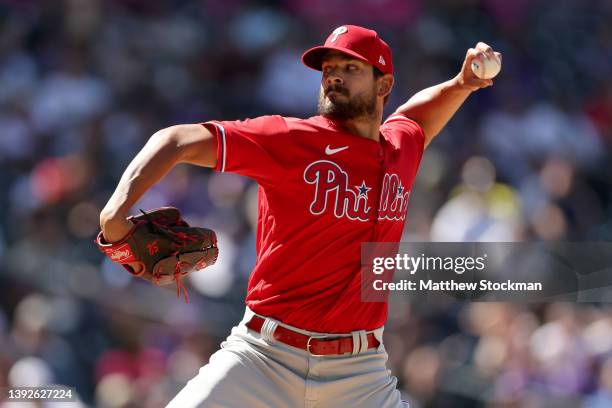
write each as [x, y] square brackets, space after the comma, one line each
[351, 67]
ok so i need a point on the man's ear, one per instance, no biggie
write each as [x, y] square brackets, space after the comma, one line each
[385, 84]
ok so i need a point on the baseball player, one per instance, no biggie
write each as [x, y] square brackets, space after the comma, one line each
[326, 184]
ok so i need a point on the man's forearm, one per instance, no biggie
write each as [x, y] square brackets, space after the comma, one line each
[433, 107]
[189, 143]
[155, 159]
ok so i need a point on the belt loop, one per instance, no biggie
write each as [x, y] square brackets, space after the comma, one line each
[355, 335]
[364, 341]
[267, 330]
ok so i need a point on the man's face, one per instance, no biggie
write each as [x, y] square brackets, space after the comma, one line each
[348, 88]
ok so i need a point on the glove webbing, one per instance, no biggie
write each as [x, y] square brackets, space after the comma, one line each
[179, 239]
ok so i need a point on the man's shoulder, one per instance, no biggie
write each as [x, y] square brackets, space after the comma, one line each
[398, 123]
[299, 125]
[276, 125]
[265, 124]
[311, 121]
[402, 132]
[287, 121]
[397, 117]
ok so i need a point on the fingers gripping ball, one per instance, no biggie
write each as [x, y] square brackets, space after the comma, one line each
[164, 248]
[486, 66]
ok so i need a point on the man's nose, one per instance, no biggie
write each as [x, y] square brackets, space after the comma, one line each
[333, 78]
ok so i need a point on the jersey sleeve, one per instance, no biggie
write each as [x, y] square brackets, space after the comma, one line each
[408, 128]
[250, 147]
[408, 134]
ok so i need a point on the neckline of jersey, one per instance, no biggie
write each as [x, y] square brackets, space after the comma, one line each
[328, 123]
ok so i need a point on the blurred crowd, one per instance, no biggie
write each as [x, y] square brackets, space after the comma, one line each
[84, 83]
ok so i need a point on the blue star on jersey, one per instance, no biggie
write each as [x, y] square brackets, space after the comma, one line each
[363, 189]
[400, 191]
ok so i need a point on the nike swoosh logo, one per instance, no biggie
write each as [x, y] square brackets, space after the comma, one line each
[329, 151]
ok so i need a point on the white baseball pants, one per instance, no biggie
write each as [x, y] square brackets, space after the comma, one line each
[253, 370]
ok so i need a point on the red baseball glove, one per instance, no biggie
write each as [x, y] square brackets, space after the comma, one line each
[162, 248]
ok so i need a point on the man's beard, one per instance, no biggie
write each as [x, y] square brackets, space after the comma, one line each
[355, 107]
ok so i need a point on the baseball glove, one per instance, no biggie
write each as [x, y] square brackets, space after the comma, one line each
[162, 248]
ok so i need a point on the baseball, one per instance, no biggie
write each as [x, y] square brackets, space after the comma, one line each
[485, 67]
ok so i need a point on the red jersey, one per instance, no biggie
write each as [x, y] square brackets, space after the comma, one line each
[322, 192]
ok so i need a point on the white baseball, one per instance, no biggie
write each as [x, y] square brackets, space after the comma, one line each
[485, 67]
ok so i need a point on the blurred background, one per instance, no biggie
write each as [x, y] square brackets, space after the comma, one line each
[84, 83]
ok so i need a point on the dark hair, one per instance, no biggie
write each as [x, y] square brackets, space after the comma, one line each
[377, 74]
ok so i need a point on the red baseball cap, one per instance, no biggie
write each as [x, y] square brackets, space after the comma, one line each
[357, 42]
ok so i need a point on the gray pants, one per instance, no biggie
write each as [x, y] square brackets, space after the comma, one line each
[252, 370]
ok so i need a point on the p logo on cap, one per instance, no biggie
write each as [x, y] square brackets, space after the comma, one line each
[337, 32]
[358, 42]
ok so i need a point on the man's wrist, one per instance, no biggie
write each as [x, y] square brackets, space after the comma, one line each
[115, 229]
[110, 218]
[459, 85]
[110, 215]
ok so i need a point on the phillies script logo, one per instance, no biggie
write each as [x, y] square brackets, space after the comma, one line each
[332, 187]
[331, 184]
[393, 199]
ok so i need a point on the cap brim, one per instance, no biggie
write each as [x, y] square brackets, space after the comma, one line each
[313, 57]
